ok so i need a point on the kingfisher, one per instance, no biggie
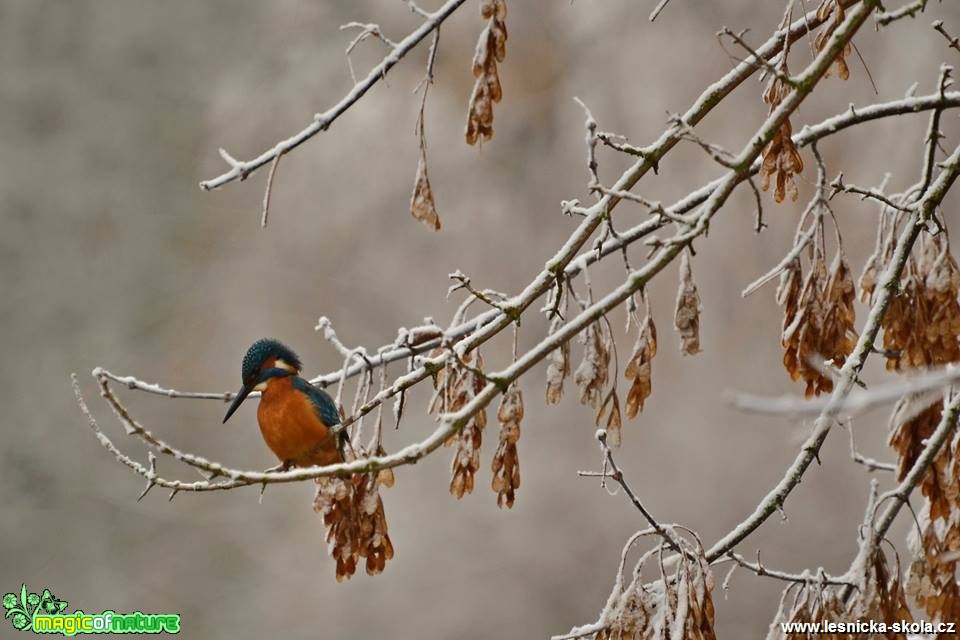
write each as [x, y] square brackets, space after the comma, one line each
[299, 422]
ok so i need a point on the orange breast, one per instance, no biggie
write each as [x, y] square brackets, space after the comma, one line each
[291, 428]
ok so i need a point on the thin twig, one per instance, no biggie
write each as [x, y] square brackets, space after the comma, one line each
[269, 190]
[909, 10]
[952, 42]
[657, 9]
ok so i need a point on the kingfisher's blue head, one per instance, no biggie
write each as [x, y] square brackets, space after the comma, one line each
[266, 358]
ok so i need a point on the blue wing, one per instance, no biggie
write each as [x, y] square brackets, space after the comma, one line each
[322, 402]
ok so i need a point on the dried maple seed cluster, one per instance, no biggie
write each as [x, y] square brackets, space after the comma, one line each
[780, 159]
[813, 605]
[921, 329]
[884, 598]
[687, 316]
[593, 378]
[909, 430]
[678, 607]
[558, 368]
[879, 597]
[922, 323]
[456, 385]
[594, 371]
[356, 523]
[818, 320]
[639, 368]
[491, 49]
[506, 464]
[833, 11]
[931, 578]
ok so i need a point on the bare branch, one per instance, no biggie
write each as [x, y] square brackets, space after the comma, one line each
[269, 190]
[839, 186]
[239, 170]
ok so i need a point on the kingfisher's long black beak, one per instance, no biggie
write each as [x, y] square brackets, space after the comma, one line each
[237, 401]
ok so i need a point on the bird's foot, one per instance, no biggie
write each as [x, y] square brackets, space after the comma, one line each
[286, 465]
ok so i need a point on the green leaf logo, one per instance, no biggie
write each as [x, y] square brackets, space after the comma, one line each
[22, 610]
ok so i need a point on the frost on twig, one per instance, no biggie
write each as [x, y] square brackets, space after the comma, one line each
[366, 31]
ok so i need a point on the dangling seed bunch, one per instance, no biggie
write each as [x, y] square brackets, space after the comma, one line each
[506, 463]
[594, 370]
[921, 329]
[922, 323]
[356, 523]
[833, 11]
[687, 315]
[491, 49]
[818, 320]
[639, 369]
[679, 606]
[780, 159]
[456, 385]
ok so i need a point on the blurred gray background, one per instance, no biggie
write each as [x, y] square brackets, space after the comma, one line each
[110, 255]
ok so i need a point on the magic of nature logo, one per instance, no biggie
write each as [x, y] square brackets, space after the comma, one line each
[44, 613]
